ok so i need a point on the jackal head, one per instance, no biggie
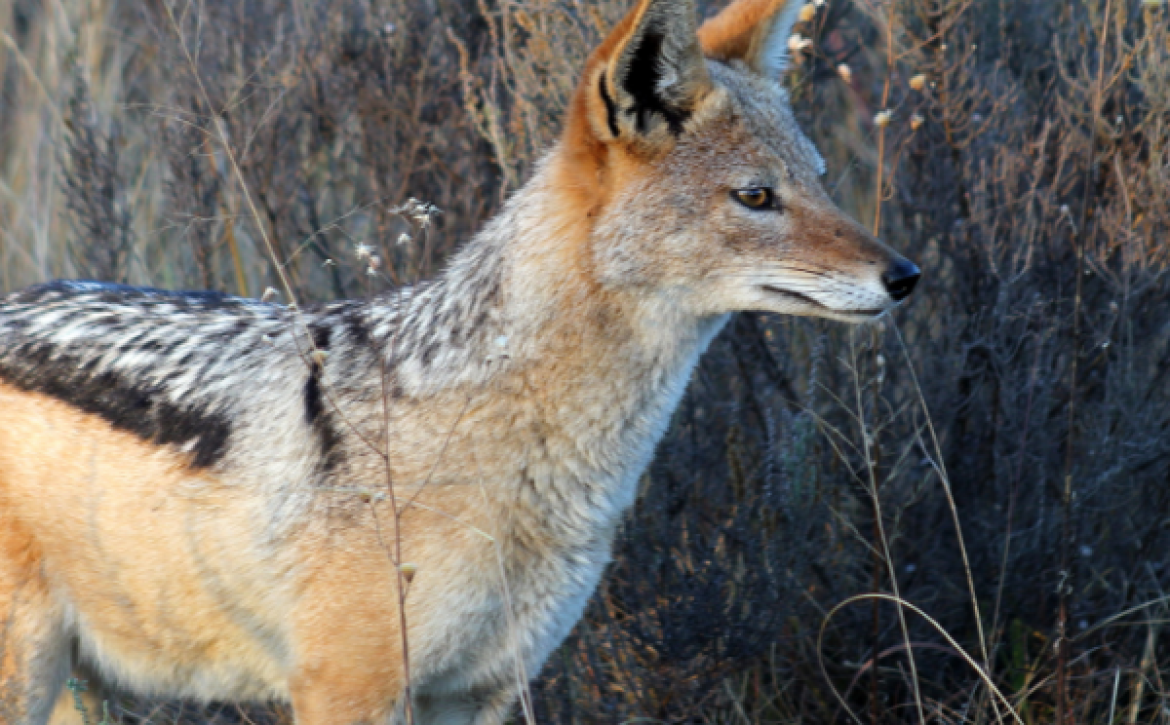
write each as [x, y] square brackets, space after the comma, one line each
[682, 146]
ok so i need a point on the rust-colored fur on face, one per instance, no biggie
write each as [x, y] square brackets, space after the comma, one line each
[208, 497]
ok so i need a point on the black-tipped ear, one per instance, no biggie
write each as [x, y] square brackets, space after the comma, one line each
[656, 74]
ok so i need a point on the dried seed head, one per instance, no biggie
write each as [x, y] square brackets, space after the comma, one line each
[319, 357]
[882, 119]
[404, 240]
[408, 571]
[808, 12]
[420, 212]
[375, 261]
[363, 251]
[269, 295]
[329, 263]
[916, 122]
[918, 82]
[798, 43]
[845, 72]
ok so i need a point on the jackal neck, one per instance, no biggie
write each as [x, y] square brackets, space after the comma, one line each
[523, 295]
[520, 319]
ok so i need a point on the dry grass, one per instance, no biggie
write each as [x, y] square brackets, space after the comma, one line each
[1000, 460]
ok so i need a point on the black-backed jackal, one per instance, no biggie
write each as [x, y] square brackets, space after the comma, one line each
[195, 489]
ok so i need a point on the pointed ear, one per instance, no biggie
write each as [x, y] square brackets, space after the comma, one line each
[753, 31]
[647, 77]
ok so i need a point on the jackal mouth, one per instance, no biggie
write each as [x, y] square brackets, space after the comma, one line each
[805, 299]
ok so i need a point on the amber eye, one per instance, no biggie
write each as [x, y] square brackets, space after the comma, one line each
[757, 197]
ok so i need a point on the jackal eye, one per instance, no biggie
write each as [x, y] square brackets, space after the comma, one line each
[757, 198]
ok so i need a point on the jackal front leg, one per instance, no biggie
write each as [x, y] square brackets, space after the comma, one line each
[34, 645]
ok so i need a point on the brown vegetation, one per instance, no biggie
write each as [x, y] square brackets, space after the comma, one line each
[999, 458]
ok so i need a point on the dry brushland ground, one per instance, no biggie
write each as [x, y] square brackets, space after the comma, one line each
[996, 456]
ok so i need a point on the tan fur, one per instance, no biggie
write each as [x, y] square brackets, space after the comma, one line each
[508, 410]
[742, 31]
[734, 33]
[125, 498]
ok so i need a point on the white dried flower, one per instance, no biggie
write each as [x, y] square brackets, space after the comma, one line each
[403, 240]
[269, 295]
[408, 571]
[329, 263]
[375, 261]
[420, 212]
[363, 251]
[798, 43]
[916, 121]
[845, 72]
[882, 118]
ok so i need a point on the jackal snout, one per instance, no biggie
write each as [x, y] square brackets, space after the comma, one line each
[835, 266]
[897, 275]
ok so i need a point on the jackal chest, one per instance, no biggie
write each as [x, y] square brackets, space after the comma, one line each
[511, 613]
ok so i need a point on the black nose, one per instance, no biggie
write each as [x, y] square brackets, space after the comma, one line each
[900, 279]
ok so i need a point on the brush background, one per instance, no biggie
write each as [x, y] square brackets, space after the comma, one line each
[1035, 195]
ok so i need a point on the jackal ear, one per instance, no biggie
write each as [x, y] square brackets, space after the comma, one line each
[652, 73]
[753, 31]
